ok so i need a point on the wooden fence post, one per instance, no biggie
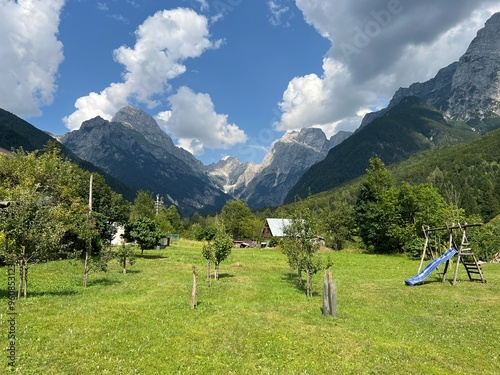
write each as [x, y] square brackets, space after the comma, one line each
[329, 295]
[332, 294]
[194, 292]
[326, 304]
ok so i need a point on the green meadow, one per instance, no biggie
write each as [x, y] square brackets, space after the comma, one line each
[253, 320]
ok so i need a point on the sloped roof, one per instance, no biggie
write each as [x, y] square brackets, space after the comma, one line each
[276, 226]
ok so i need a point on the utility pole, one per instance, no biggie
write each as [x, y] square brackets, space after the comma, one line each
[89, 245]
[158, 204]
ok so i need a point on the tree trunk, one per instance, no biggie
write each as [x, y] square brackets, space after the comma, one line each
[308, 283]
[299, 275]
[216, 271]
[124, 264]
[21, 278]
[86, 268]
[26, 280]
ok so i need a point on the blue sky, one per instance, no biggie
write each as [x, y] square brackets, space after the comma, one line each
[224, 77]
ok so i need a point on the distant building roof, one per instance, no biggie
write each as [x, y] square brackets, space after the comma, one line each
[276, 226]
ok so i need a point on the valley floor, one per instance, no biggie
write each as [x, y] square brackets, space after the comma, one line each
[254, 320]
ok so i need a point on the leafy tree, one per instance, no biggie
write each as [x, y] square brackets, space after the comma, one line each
[49, 217]
[143, 206]
[239, 220]
[163, 222]
[390, 217]
[208, 253]
[372, 212]
[34, 232]
[125, 253]
[46, 205]
[217, 250]
[143, 230]
[338, 222]
[173, 216]
[300, 245]
[222, 243]
[168, 220]
[485, 240]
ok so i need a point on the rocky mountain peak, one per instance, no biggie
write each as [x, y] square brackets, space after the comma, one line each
[144, 124]
[476, 82]
[92, 123]
[467, 90]
[149, 128]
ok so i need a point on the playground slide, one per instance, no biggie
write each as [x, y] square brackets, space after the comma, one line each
[422, 275]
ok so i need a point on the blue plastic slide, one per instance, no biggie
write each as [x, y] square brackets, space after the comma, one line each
[422, 275]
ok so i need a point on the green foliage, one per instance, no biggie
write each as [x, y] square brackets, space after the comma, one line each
[239, 220]
[390, 217]
[47, 208]
[168, 220]
[143, 206]
[174, 218]
[299, 245]
[485, 240]
[218, 249]
[467, 175]
[125, 253]
[410, 127]
[143, 230]
[338, 223]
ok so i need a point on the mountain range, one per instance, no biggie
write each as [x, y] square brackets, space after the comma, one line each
[458, 105]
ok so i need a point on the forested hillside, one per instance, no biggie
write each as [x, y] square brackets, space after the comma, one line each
[408, 128]
[15, 133]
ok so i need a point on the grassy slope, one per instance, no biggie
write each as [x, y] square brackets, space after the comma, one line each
[254, 319]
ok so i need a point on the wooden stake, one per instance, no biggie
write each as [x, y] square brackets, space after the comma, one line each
[194, 292]
[332, 295]
[326, 304]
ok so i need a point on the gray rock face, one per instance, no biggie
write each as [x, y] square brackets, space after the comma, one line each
[134, 150]
[267, 184]
[146, 125]
[476, 83]
[467, 90]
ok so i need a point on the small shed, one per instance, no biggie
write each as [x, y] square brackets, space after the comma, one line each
[275, 227]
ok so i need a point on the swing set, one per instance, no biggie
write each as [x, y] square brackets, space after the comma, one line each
[434, 247]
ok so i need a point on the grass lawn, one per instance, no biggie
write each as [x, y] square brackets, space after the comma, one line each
[253, 320]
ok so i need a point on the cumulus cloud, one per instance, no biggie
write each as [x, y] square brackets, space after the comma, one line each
[194, 122]
[30, 54]
[163, 42]
[377, 46]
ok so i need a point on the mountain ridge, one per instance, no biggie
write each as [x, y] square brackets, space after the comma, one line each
[459, 104]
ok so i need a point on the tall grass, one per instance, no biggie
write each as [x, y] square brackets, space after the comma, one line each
[254, 320]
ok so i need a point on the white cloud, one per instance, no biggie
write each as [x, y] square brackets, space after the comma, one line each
[377, 46]
[194, 122]
[203, 5]
[276, 12]
[163, 42]
[30, 54]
